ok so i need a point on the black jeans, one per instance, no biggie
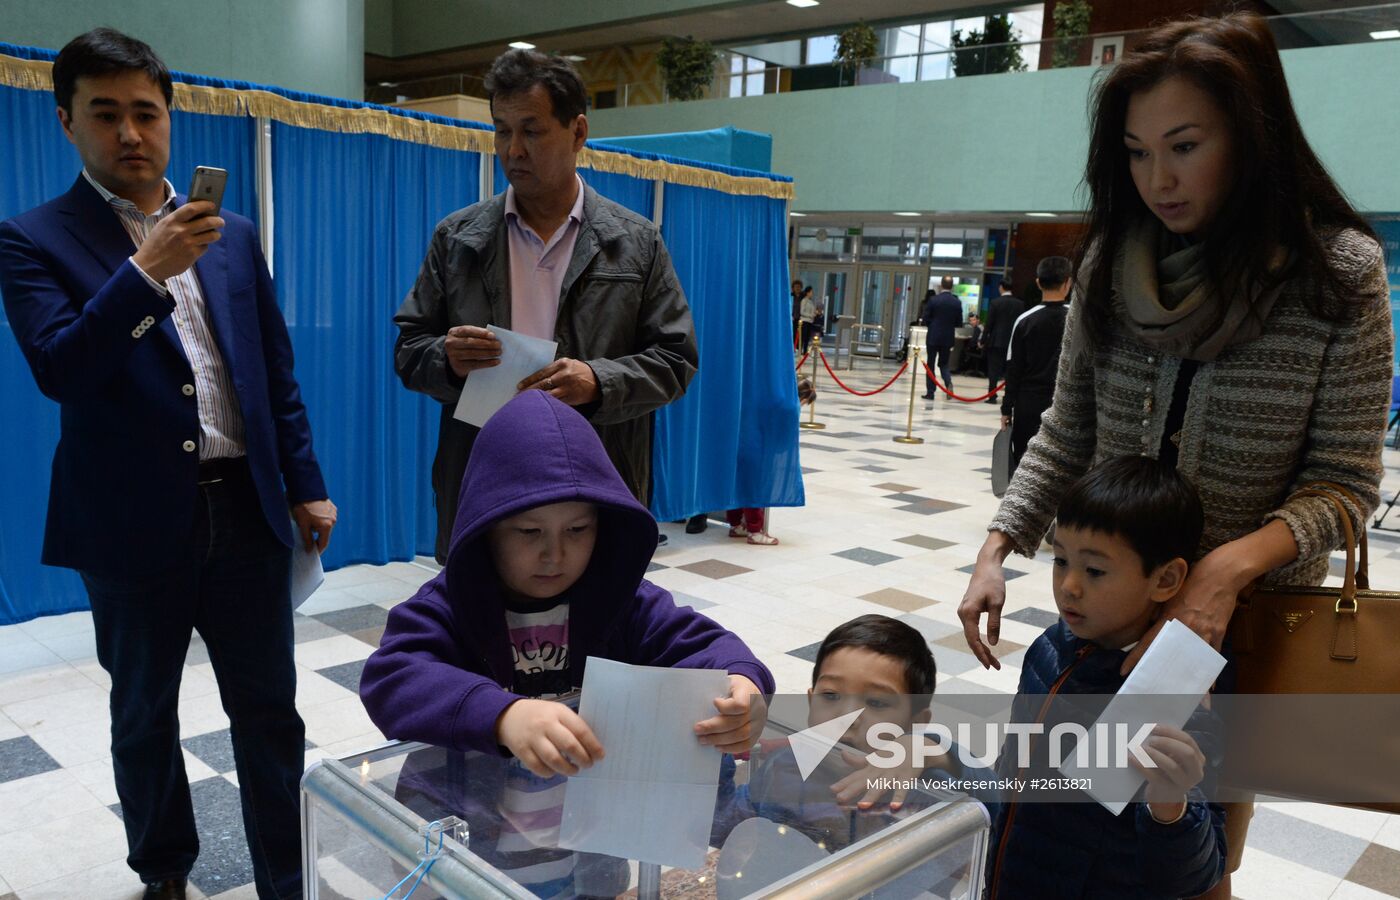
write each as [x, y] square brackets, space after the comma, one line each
[996, 367]
[1025, 424]
[233, 589]
[942, 356]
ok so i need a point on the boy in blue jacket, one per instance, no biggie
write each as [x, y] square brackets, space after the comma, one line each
[1124, 534]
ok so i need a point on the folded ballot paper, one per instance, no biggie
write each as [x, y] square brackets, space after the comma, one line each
[1176, 671]
[487, 390]
[652, 797]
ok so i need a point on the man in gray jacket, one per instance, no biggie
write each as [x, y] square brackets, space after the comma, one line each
[552, 259]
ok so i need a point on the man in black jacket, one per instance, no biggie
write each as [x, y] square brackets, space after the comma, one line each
[1002, 314]
[942, 313]
[1033, 356]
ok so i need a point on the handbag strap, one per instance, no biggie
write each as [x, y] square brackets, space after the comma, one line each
[1331, 490]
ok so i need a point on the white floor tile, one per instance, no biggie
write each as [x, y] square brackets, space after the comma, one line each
[1348, 890]
[77, 744]
[1389, 835]
[333, 722]
[26, 657]
[1263, 876]
[40, 682]
[109, 881]
[96, 776]
[30, 856]
[49, 627]
[1360, 823]
[8, 729]
[57, 711]
[331, 651]
[25, 802]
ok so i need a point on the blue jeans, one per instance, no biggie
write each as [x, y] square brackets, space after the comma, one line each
[232, 588]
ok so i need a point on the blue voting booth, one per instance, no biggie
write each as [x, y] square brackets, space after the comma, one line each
[346, 195]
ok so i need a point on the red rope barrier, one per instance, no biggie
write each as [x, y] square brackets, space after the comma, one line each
[803, 359]
[867, 393]
[955, 396]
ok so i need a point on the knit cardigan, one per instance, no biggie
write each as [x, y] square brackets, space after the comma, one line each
[1305, 401]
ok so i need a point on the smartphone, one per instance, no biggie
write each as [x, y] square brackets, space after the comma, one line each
[208, 184]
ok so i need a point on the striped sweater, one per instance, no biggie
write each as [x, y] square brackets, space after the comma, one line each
[1305, 401]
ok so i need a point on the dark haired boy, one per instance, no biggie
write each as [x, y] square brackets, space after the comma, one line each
[1124, 537]
[552, 259]
[154, 325]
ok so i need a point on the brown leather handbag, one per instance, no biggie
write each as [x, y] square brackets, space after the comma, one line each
[1331, 658]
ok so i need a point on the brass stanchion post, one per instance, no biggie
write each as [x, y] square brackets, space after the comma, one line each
[908, 436]
[812, 423]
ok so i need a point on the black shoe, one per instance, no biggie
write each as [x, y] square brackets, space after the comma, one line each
[696, 524]
[992, 399]
[930, 396]
[168, 889]
[661, 539]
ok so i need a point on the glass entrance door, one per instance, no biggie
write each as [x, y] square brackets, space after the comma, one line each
[829, 289]
[889, 298]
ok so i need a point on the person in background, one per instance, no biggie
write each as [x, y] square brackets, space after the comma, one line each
[796, 298]
[1002, 314]
[942, 313]
[807, 314]
[1034, 356]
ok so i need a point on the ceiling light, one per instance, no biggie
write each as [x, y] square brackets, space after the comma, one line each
[1042, 215]
[908, 214]
[522, 45]
[802, 4]
[574, 57]
[797, 214]
[1386, 35]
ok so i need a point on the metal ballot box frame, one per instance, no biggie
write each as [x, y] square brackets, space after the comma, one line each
[845, 335]
[364, 819]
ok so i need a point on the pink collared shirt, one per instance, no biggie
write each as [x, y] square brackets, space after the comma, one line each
[537, 268]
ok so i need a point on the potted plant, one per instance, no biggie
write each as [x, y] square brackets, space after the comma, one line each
[1071, 19]
[687, 67]
[995, 49]
[856, 46]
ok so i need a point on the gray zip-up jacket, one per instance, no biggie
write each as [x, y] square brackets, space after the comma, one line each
[621, 310]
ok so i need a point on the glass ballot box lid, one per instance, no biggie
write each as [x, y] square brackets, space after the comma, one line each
[466, 824]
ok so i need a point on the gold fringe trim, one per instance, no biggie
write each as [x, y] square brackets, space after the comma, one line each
[36, 75]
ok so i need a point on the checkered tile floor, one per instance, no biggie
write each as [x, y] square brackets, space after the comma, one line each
[888, 528]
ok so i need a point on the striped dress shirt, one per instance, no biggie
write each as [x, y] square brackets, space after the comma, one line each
[220, 419]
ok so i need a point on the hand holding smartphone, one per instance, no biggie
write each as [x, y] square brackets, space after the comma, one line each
[208, 184]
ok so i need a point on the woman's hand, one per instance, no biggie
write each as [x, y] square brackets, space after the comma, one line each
[986, 592]
[1213, 585]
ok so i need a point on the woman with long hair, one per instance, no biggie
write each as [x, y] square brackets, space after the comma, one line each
[1231, 316]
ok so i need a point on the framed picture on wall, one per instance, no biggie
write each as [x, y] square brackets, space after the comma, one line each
[1107, 49]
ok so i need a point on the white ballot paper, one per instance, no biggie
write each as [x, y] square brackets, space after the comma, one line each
[307, 574]
[487, 390]
[1178, 670]
[652, 797]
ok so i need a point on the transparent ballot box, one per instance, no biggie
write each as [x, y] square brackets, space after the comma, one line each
[495, 826]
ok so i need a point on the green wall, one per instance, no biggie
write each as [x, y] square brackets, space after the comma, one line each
[421, 26]
[1016, 142]
[306, 45]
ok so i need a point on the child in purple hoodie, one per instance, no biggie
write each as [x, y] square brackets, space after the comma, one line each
[545, 569]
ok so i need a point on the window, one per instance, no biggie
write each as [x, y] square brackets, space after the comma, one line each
[745, 75]
[894, 244]
[821, 49]
[833, 242]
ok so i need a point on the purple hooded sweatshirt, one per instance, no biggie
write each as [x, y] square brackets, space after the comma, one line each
[442, 669]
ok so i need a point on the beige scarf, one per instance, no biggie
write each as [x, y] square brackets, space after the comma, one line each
[1164, 297]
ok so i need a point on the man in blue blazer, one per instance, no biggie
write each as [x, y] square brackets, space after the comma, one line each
[185, 445]
[942, 313]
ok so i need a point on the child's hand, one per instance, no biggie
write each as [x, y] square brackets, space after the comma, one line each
[548, 737]
[1180, 766]
[857, 784]
[741, 718]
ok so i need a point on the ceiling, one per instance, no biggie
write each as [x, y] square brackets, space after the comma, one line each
[1341, 22]
[720, 26]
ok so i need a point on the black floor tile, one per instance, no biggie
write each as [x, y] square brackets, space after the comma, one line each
[347, 675]
[20, 757]
[1038, 618]
[357, 618]
[1008, 574]
[215, 749]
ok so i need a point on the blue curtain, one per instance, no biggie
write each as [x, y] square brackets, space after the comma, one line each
[731, 441]
[354, 216]
[37, 164]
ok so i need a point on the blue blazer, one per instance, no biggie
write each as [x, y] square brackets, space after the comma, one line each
[100, 341]
[942, 313]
